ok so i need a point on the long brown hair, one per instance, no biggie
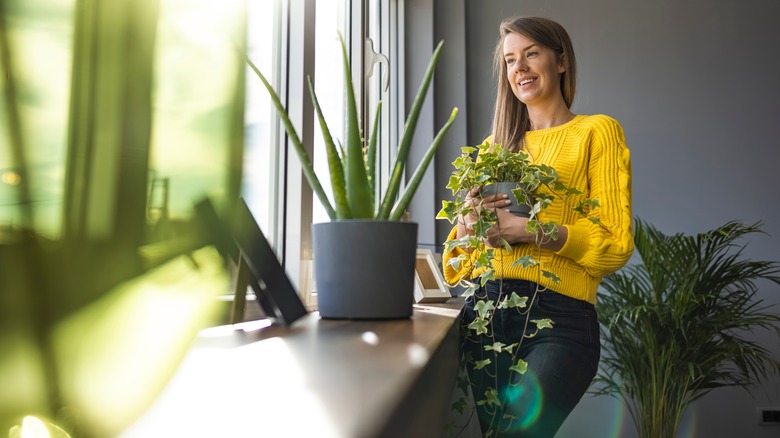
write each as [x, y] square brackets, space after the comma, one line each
[510, 120]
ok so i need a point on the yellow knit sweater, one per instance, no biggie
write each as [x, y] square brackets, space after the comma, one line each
[589, 153]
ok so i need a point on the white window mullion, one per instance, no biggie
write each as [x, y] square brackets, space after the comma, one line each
[298, 194]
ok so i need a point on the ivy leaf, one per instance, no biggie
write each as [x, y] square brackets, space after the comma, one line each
[460, 405]
[487, 276]
[483, 260]
[455, 262]
[514, 301]
[525, 261]
[479, 326]
[520, 367]
[547, 274]
[483, 308]
[492, 397]
[481, 364]
[497, 347]
[507, 246]
[520, 195]
[595, 220]
[470, 289]
[543, 323]
[448, 211]
[463, 384]
[468, 150]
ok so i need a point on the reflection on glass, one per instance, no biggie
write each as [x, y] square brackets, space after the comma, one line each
[195, 83]
[41, 37]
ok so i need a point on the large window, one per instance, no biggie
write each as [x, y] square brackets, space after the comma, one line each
[288, 41]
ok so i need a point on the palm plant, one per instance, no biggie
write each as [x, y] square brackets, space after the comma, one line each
[675, 324]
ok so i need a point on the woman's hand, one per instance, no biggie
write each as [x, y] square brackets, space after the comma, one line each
[496, 202]
[508, 227]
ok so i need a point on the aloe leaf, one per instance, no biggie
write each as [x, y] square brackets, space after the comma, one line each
[411, 187]
[358, 190]
[306, 165]
[334, 161]
[343, 153]
[371, 154]
[406, 138]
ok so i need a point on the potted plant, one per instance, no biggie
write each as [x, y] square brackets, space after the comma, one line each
[675, 323]
[536, 187]
[365, 256]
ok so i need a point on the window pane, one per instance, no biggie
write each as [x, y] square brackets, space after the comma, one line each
[261, 161]
[195, 87]
[329, 87]
[41, 37]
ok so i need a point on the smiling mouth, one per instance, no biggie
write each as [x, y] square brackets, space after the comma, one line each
[527, 81]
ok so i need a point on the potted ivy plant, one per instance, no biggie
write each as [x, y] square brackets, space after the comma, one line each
[365, 257]
[674, 324]
[536, 187]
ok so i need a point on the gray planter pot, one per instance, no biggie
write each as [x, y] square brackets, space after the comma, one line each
[517, 208]
[364, 269]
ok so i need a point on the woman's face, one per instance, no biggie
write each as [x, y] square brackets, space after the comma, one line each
[533, 71]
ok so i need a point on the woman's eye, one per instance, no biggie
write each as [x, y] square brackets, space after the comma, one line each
[510, 61]
[530, 54]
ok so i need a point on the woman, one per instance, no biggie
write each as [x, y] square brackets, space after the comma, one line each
[536, 84]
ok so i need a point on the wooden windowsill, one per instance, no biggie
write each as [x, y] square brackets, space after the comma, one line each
[319, 377]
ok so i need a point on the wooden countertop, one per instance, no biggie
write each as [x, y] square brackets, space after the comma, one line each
[324, 378]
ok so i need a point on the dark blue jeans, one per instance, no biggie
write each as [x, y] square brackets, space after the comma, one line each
[562, 360]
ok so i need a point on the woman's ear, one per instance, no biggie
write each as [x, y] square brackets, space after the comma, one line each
[562, 63]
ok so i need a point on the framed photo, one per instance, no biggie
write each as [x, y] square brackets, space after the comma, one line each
[429, 286]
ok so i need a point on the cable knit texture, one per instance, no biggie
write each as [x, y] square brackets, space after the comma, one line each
[589, 153]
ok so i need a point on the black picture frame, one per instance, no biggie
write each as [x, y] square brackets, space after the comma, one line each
[241, 241]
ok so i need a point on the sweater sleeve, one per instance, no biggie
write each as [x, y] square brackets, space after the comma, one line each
[606, 247]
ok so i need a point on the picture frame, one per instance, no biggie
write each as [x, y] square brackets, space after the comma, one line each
[429, 284]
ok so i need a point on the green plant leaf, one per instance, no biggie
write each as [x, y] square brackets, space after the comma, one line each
[448, 211]
[525, 261]
[460, 405]
[542, 323]
[463, 384]
[472, 287]
[514, 301]
[547, 274]
[414, 182]
[478, 365]
[402, 154]
[479, 326]
[371, 153]
[483, 308]
[498, 347]
[292, 134]
[487, 276]
[334, 161]
[358, 187]
[491, 397]
[519, 367]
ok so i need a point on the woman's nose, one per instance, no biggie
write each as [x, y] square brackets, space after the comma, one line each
[520, 66]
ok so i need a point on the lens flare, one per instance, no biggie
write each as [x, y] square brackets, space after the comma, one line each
[528, 395]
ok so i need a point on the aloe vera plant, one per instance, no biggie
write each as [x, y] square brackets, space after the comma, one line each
[352, 170]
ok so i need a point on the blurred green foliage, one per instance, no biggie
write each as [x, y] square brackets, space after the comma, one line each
[117, 116]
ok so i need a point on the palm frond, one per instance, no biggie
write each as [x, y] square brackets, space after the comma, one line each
[675, 325]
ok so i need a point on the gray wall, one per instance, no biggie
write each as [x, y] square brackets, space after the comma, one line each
[694, 85]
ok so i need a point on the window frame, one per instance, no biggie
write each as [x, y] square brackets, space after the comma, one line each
[292, 198]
